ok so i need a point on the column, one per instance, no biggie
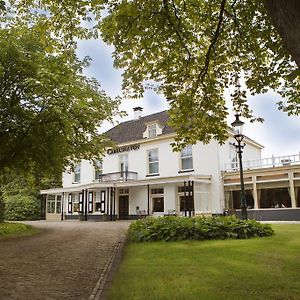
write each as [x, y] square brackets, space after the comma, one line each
[292, 189]
[255, 192]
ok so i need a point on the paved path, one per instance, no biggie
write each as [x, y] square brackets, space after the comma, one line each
[63, 262]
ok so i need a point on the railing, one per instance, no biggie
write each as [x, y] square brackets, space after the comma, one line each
[118, 176]
[264, 162]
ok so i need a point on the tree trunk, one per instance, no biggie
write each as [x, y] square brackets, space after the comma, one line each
[285, 16]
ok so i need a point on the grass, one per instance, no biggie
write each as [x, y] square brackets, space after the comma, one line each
[258, 268]
[16, 230]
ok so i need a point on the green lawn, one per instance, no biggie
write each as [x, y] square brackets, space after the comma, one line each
[259, 268]
[16, 229]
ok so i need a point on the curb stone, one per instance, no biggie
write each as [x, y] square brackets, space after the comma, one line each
[100, 291]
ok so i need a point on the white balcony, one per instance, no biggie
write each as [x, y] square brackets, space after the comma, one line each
[274, 161]
[118, 176]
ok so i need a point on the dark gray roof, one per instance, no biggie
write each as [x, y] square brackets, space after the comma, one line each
[133, 130]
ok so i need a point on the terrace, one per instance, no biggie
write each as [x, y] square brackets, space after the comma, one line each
[274, 161]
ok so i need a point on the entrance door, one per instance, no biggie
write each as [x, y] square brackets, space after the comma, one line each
[123, 207]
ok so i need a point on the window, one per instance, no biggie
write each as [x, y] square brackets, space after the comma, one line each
[51, 204]
[58, 204]
[98, 169]
[123, 191]
[157, 196]
[75, 204]
[77, 170]
[70, 203]
[91, 200]
[54, 204]
[123, 164]
[153, 161]
[151, 130]
[158, 204]
[186, 157]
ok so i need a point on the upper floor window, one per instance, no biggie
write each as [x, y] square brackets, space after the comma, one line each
[98, 169]
[186, 158]
[77, 171]
[123, 160]
[153, 161]
[152, 130]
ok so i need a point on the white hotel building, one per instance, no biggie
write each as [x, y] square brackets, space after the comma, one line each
[143, 176]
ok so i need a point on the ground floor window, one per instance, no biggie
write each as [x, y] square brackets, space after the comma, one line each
[186, 203]
[100, 202]
[54, 204]
[186, 199]
[275, 198]
[236, 199]
[157, 197]
[75, 203]
[158, 204]
[297, 195]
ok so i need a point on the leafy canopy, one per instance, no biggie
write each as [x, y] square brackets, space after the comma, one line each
[49, 112]
[193, 51]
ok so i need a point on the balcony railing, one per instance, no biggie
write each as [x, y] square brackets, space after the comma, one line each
[273, 161]
[118, 176]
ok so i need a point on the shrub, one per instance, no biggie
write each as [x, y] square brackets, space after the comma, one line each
[22, 207]
[12, 228]
[198, 228]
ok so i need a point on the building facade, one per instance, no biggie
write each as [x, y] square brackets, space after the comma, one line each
[143, 176]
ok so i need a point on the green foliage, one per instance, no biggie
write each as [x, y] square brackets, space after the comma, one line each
[12, 228]
[22, 208]
[49, 112]
[191, 51]
[196, 51]
[21, 196]
[199, 228]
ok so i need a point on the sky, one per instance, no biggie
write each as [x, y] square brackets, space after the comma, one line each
[279, 133]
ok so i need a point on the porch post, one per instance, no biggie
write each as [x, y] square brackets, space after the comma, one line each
[184, 197]
[292, 189]
[111, 204]
[107, 201]
[114, 200]
[62, 206]
[255, 192]
[85, 204]
[148, 199]
[193, 197]
[189, 194]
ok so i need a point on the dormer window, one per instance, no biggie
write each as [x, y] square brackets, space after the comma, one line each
[152, 131]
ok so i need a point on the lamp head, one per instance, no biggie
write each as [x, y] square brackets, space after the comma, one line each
[237, 126]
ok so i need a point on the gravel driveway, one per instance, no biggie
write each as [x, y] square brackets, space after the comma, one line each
[63, 262]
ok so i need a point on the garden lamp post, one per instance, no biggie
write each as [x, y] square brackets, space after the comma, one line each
[237, 126]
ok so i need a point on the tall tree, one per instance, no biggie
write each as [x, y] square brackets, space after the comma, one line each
[193, 50]
[49, 112]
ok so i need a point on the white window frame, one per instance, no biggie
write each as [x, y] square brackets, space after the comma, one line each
[185, 155]
[152, 162]
[55, 200]
[98, 169]
[154, 194]
[123, 160]
[77, 172]
[152, 130]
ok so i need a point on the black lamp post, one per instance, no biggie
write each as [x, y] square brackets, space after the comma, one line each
[237, 126]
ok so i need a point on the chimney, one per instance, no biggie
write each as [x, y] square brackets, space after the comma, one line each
[137, 112]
